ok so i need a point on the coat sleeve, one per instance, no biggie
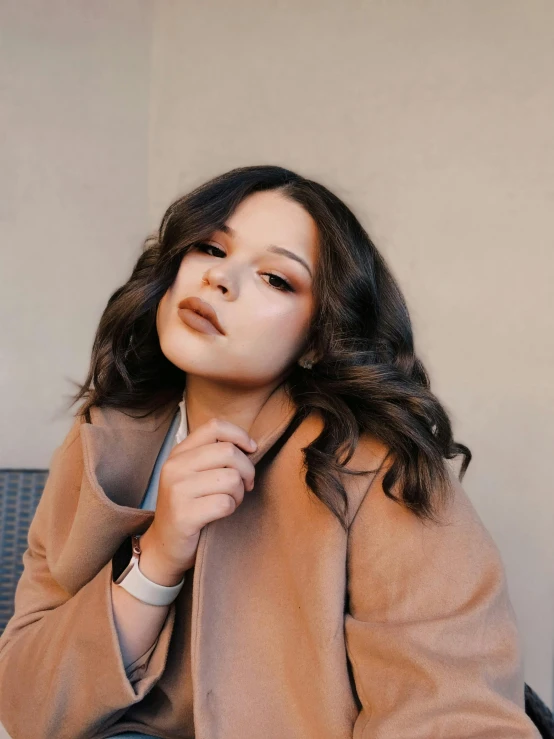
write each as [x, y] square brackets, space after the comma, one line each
[62, 674]
[430, 631]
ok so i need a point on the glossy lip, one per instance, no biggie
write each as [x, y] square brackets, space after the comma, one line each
[204, 309]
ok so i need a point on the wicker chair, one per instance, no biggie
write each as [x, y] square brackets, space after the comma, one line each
[20, 491]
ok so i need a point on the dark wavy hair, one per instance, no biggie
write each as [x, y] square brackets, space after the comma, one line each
[368, 379]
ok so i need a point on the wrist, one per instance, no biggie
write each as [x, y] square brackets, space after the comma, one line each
[153, 566]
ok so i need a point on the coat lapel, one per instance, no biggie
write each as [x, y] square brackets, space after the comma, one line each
[118, 455]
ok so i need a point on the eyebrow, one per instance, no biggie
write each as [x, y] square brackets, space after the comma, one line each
[271, 247]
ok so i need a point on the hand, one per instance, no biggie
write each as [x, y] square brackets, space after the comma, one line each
[204, 478]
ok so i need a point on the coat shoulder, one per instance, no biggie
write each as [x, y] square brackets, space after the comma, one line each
[450, 555]
[132, 418]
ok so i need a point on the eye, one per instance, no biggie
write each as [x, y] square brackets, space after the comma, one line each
[285, 285]
[203, 247]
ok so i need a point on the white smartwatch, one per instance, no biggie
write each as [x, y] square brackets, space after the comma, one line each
[126, 573]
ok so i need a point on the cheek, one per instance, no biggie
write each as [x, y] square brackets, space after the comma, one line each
[162, 314]
[284, 326]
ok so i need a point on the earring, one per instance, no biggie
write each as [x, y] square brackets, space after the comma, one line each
[306, 363]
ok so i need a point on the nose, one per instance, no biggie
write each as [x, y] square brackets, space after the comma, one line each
[216, 277]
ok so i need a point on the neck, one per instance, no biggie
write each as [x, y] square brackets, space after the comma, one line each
[206, 399]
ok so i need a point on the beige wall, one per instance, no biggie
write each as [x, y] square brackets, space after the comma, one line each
[74, 80]
[431, 118]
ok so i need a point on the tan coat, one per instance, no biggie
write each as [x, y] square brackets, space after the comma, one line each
[287, 627]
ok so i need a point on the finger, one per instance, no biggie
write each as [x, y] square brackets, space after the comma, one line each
[214, 431]
[213, 482]
[220, 455]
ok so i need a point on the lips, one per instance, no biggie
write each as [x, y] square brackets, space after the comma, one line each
[204, 309]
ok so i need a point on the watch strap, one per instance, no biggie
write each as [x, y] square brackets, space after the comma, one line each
[141, 587]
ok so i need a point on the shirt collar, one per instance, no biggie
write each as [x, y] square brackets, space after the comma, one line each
[182, 431]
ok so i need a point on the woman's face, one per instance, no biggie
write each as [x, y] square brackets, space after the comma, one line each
[265, 320]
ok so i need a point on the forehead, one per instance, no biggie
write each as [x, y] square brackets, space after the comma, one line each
[266, 218]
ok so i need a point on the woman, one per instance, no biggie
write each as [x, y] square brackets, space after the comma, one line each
[310, 566]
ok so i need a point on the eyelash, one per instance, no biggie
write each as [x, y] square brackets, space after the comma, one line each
[287, 286]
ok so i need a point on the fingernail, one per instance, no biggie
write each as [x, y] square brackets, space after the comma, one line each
[253, 443]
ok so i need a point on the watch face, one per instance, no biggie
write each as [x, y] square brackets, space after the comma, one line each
[121, 558]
